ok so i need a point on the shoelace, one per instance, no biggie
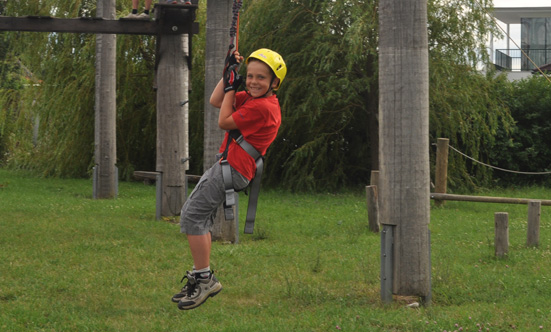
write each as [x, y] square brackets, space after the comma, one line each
[191, 288]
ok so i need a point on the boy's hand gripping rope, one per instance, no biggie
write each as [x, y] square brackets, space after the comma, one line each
[232, 79]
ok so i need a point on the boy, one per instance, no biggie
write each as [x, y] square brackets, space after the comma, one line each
[257, 114]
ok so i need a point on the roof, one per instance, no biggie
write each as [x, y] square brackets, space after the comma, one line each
[544, 68]
[512, 15]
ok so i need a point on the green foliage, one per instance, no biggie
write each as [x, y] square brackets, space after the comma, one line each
[466, 106]
[331, 87]
[48, 124]
[526, 148]
[471, 120]
[329, 98]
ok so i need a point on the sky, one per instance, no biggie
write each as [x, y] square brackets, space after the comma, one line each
[515, 28]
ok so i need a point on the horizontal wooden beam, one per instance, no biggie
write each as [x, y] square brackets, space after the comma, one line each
[170, 19]
[486, 199]
[78, 25]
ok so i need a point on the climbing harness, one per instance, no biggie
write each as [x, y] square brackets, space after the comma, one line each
[236, 136]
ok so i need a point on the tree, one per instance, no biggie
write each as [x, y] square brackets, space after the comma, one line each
[466, 105]
[526, 147]
[329, 99]
[63, 96]
[331, 88]
[329, 93]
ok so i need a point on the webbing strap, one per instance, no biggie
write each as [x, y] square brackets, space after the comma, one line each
[254, 185]
[253, 196]
[248, 147]
[228, 187]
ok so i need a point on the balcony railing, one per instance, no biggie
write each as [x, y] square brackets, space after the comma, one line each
[515, 60]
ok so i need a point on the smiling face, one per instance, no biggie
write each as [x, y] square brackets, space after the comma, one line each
[259, 76]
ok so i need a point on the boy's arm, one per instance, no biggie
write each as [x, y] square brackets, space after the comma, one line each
[225, 119]
[217, 95]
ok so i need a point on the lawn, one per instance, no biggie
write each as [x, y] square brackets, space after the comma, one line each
[72, 263]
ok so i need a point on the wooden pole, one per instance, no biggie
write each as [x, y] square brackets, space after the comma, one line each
[501, 242]
[374, 179]
[219, 15]
[441, 176]
[105, 146]
[404, 184]
[534, 213]
[372, 197]
[372, 208]
[172, 91]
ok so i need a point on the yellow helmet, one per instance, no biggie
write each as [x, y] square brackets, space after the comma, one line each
[273, 60]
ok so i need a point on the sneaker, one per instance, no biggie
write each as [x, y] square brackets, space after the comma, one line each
[132, 16]
[143, 16]
[177, 297]
[199, 290]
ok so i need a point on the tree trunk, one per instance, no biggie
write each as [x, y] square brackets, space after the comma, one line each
[172, 97]
[105, 146]
[404, 184]
[219, 14]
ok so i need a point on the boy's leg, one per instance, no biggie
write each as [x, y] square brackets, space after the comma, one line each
[148, 5]
[134, 12]
[145, 14]
[200, 246]
[202, 284]
[196, 220]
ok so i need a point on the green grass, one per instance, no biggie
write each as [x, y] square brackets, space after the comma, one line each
[71, 263]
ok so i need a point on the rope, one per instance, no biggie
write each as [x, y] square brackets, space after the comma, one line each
[234, 28]
[494, 167]
[505, 33]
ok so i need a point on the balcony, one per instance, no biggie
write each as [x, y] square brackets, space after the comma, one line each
[515, 60]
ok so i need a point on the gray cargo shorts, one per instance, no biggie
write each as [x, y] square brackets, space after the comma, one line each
[199, 210]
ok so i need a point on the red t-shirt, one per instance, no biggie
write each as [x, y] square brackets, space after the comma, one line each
[258, 119]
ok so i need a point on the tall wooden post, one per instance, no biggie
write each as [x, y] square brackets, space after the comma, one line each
[404, 184]
[441, 174]
[373, 202]
[533, 232]
[501, 237]
[172, 100]
[219, 14]
[105, 143]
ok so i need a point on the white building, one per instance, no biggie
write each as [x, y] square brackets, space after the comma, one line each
[535, 40]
